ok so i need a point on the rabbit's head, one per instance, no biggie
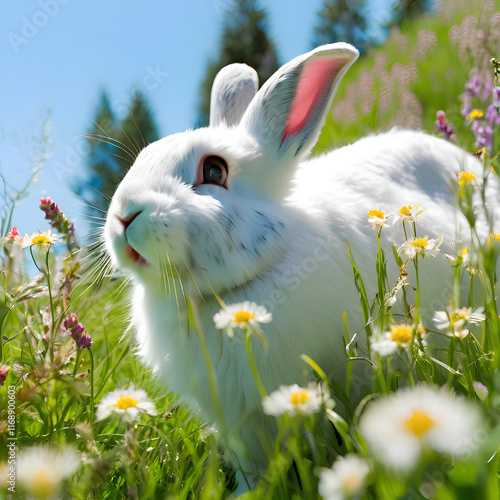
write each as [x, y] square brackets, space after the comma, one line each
[206, 206]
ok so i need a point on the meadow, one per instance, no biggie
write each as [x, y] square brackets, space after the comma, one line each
[81, 417]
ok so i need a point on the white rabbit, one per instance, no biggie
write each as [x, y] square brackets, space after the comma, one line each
[237, 209]
[234, 87]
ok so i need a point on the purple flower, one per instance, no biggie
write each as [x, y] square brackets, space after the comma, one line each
[492, 115]
[76, 331]
[56, 217]
[496, 96]
[84, 341]
[474, 87]
[444, 126]
[465, 111]
[484, 134]
[70, 322]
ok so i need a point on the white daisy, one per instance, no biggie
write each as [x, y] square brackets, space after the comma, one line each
[455, 320]
[296, 400]
[420, 246]
[391, 297]
[410, 213]
[462, 258]
[40, 470]
[241, 315]
[398, 427]
[388, 342]
[377, 218]
[41, 241]
[346, 478]
[129, 403]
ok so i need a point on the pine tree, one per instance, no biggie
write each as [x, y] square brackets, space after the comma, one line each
[342, 21]
[114, 146]
[244, 40]
[406, 10]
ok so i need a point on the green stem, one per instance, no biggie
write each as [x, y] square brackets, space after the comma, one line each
[471, 288]
[52, 332]
[417, 293]
[208, 360]
[302, 468]
[251, 360]
[91, 385]
[77, 360]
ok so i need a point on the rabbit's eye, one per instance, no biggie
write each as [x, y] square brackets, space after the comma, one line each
[214, 171]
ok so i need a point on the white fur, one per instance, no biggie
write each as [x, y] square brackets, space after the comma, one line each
[277, 237]
[234, 87]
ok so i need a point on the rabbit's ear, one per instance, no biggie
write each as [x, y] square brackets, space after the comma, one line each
[288, 112]
[234, 87]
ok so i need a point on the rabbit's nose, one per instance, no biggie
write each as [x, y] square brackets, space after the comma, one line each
[126, 222]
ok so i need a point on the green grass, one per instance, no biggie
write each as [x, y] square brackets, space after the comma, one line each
[173, 453]
[437, 65]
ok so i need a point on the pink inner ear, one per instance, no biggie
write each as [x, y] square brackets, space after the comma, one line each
[316, 80]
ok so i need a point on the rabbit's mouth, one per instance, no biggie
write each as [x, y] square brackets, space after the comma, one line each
[135, 256]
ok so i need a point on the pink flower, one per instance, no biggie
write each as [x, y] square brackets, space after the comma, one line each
[444, 126]
[15, 235]
[56, 217]
[84, 341]
[70, 322]
[3, 374]
[75, 330]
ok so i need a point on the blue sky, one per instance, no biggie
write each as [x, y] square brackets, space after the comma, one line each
[58, 55]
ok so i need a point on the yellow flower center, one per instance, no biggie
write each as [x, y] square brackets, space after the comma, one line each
[495, 236]
[43, 484]
[40, 239]
[466, 177]
[475, 113]
[299, 397]
[406, 210]
[464, 252]
[458, 315]
[402, 334]
[376, 213]
[126, 402]
[419, 423]
[352, 483]
[243, 317]
[420, 242]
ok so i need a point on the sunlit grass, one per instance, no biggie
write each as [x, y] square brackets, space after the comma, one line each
[89, 420]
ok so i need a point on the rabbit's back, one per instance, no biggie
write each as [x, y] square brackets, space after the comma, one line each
[388, 171]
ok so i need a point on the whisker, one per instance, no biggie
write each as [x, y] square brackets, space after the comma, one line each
[137, 127]
[130, 140]
[119, 144]
[121, 157]
[91, 203]
[107, 140]
[87, 216]
[96, 223]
